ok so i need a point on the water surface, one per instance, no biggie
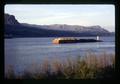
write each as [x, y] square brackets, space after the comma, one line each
[22, 52]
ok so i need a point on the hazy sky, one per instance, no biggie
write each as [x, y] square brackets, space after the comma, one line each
[86, 15]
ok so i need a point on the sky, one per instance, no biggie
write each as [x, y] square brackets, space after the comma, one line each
[46, 14]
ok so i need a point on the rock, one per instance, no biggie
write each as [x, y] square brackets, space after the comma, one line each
[10, 19]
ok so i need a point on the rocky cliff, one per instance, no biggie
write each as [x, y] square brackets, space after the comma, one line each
[10, 19]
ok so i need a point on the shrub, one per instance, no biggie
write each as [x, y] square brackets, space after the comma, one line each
[90, 67]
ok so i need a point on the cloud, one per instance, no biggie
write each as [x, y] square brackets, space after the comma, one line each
[103, 15]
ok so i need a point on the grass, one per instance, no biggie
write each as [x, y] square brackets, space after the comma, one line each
[90, 67]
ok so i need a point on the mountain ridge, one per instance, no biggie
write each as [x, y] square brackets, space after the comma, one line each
[16, 29]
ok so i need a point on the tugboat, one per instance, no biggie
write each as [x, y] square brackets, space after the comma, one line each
[73, 40]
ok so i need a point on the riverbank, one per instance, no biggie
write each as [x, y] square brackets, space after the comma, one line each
[91, 67]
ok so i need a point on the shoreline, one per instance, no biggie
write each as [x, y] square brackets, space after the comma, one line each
[97, 62]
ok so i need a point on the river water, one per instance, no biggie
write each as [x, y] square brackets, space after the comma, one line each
[20, 53]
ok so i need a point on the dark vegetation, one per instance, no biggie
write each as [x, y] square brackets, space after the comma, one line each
[90, 67]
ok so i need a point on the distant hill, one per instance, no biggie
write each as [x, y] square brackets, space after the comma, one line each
[10, 19]
[15, 29]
